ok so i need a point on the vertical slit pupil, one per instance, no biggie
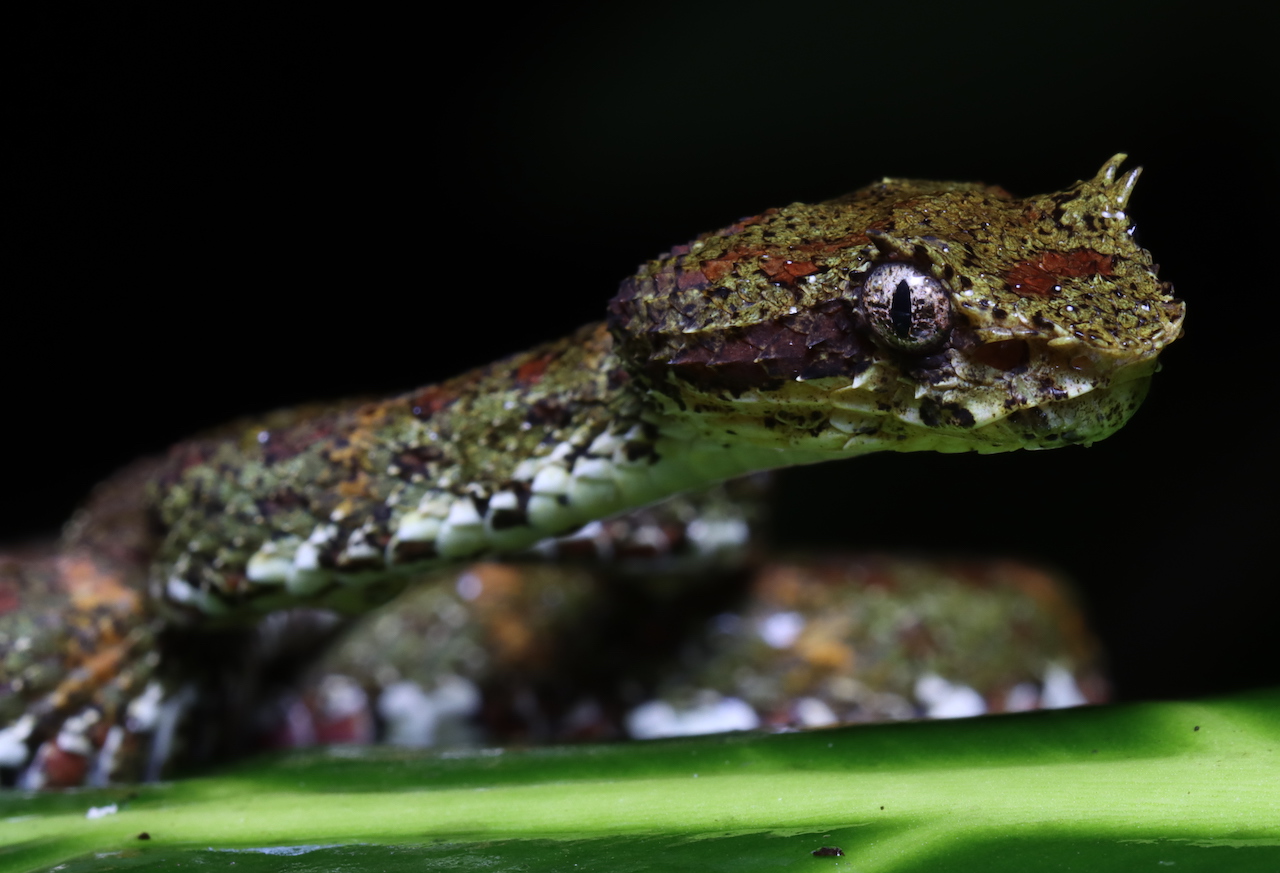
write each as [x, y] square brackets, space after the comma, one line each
[900, 310]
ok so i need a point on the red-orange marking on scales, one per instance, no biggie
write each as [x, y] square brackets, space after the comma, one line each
[532, 371]
[1040, 277]
[781, 264]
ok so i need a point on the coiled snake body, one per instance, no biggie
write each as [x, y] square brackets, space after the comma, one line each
[906, 316]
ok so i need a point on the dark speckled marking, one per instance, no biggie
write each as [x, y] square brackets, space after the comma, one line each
[938, 415]
[505, 519]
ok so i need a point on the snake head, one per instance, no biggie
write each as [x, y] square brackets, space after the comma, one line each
[907, 315]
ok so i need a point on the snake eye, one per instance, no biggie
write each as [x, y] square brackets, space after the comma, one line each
[906, 307]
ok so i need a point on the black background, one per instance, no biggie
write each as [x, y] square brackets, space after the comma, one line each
[214, 213]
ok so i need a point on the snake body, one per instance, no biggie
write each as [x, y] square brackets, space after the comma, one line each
[906, 316]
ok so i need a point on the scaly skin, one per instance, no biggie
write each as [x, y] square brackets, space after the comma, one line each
[905, 316]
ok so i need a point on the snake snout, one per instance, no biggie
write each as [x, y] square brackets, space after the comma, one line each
[1086, 418]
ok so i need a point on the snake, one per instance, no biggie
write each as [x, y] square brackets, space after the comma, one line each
[906, 316]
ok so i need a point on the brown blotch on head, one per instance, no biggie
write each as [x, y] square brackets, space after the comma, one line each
[717, 269]
[786, 271]
[687, 279]
[784, 265]
[1043, 276]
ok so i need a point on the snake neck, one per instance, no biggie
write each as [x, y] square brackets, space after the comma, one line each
[339, 505]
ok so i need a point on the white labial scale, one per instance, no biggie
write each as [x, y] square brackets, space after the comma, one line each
[548, 498]
[359, 548]
[423, 524]
[290, 561]
[608, 445]
[567, 491]
[631, 478]
[598, 485]
[509, 538]
[415, 527]
[527, 469]
[592, 486]
[306, 557]
[272, 563]
[570, 487]
[462, 533]
[308, 576]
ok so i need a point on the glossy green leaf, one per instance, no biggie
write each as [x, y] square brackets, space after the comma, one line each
[1185, 786]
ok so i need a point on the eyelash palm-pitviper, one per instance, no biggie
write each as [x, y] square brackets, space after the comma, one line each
[906, 316]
